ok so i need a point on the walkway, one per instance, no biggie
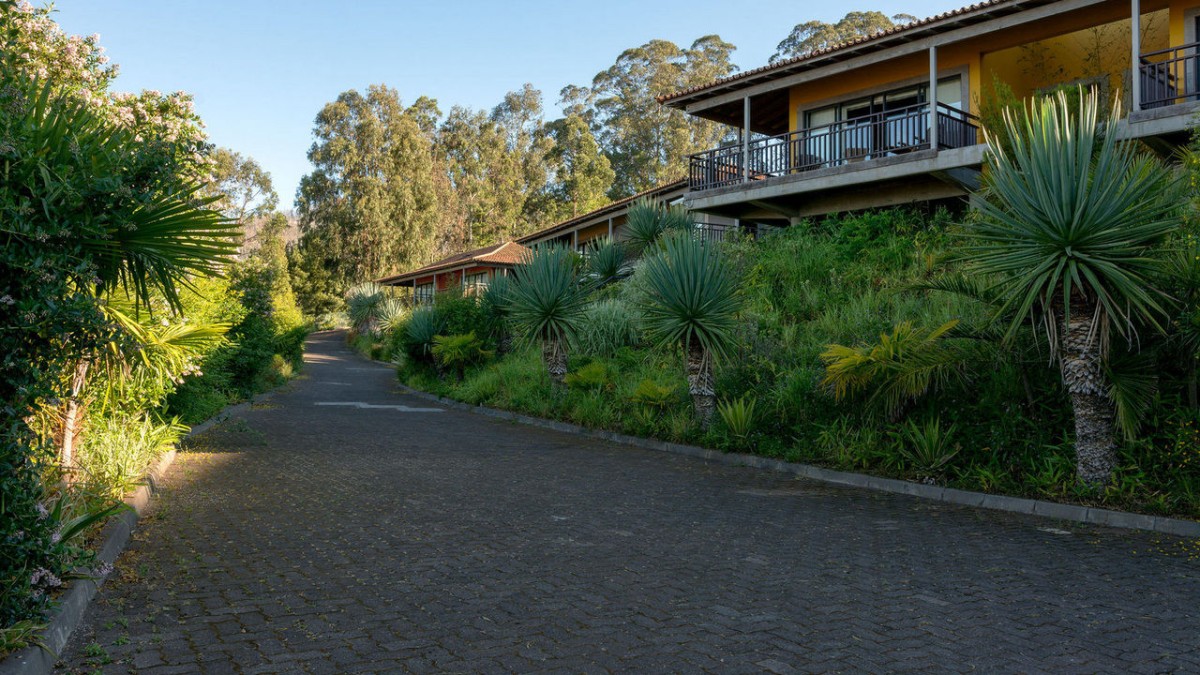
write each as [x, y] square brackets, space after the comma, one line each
[309, 537]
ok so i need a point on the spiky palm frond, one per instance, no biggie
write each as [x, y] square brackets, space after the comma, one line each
[1132, 384]
[607, 262]
[646, 224]
[392, 313]
[692, 295]
[1071, 212]
[146, 235]
[363, 303]
[902, 367]
[547, 299]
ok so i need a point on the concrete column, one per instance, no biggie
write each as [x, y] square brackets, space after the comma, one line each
[934, 143]
[575, 240]
[1135, 57]
[746, 139]
[610, 227]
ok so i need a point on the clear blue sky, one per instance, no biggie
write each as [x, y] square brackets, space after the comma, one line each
[260, 70]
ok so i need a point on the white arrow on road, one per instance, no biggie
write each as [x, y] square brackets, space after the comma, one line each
[372, 406]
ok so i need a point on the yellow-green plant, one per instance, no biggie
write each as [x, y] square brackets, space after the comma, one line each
[594, 376]
[738, 416]
[903, 366]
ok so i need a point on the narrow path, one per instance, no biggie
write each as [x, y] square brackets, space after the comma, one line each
[314, 534]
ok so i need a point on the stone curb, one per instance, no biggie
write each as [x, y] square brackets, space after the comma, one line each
[74, 602]
[1036, 507]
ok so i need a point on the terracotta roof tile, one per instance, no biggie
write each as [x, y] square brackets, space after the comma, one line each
[785, 64]
[611, 206]
[507, 254]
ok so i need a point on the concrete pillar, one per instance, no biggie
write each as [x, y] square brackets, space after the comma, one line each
[1135, 57]
[934, 142]
[746, 139]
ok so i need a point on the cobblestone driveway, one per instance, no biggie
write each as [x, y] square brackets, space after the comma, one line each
[302, 537]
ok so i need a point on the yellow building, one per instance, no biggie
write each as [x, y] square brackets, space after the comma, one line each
[849, 127]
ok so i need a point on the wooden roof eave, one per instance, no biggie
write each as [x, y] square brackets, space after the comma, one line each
[960, 27]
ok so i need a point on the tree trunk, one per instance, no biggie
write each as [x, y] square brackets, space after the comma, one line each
[1095, 442]
[554, 353]
[70, 425]
[700, 382]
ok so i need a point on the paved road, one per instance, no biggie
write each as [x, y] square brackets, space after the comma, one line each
[302, 537]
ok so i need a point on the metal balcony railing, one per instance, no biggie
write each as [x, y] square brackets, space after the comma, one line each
[1170, 76]
[862, 139]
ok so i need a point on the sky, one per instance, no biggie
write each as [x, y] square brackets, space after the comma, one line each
[260, 70]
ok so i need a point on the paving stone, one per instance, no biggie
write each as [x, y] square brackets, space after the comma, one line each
[305, 538]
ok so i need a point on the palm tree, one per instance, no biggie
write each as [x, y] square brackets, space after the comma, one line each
[547, 299]
[130, 228]
[692, 301]
[1069, 222]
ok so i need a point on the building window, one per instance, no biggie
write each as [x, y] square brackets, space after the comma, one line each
[474, 283]
[423, 294]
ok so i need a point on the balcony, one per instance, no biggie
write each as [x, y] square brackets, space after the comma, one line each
[1170, 76]
[886, 134]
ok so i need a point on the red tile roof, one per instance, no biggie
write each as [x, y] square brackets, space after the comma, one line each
[971, 13]
[507, 254]
[611, 206]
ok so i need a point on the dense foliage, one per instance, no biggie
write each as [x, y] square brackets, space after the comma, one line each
[857, 346]
[108, 249]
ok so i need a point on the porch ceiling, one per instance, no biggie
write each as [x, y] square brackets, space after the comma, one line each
[768, 113]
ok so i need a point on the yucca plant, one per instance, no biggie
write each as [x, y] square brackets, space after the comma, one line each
[926, 448]
[647, 223]
[692, 301]
[391, 314]
[495, 303]
[423, 325]
[547, 301]
[363, 302]
[1070, 223]
[607, 262]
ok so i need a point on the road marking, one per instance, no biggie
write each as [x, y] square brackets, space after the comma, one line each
[339, 384]
[372, 406]
[1053, 530]
[374, 368]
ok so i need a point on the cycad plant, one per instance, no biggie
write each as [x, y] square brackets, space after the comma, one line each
[547, 301]
[692, 301]
[903, 366]
[647, 222]
[1071, 220]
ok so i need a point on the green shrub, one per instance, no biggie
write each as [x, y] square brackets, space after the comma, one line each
[653, 395]
[460, 313]
[605, 327]
[456, 352]
[594, 376]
